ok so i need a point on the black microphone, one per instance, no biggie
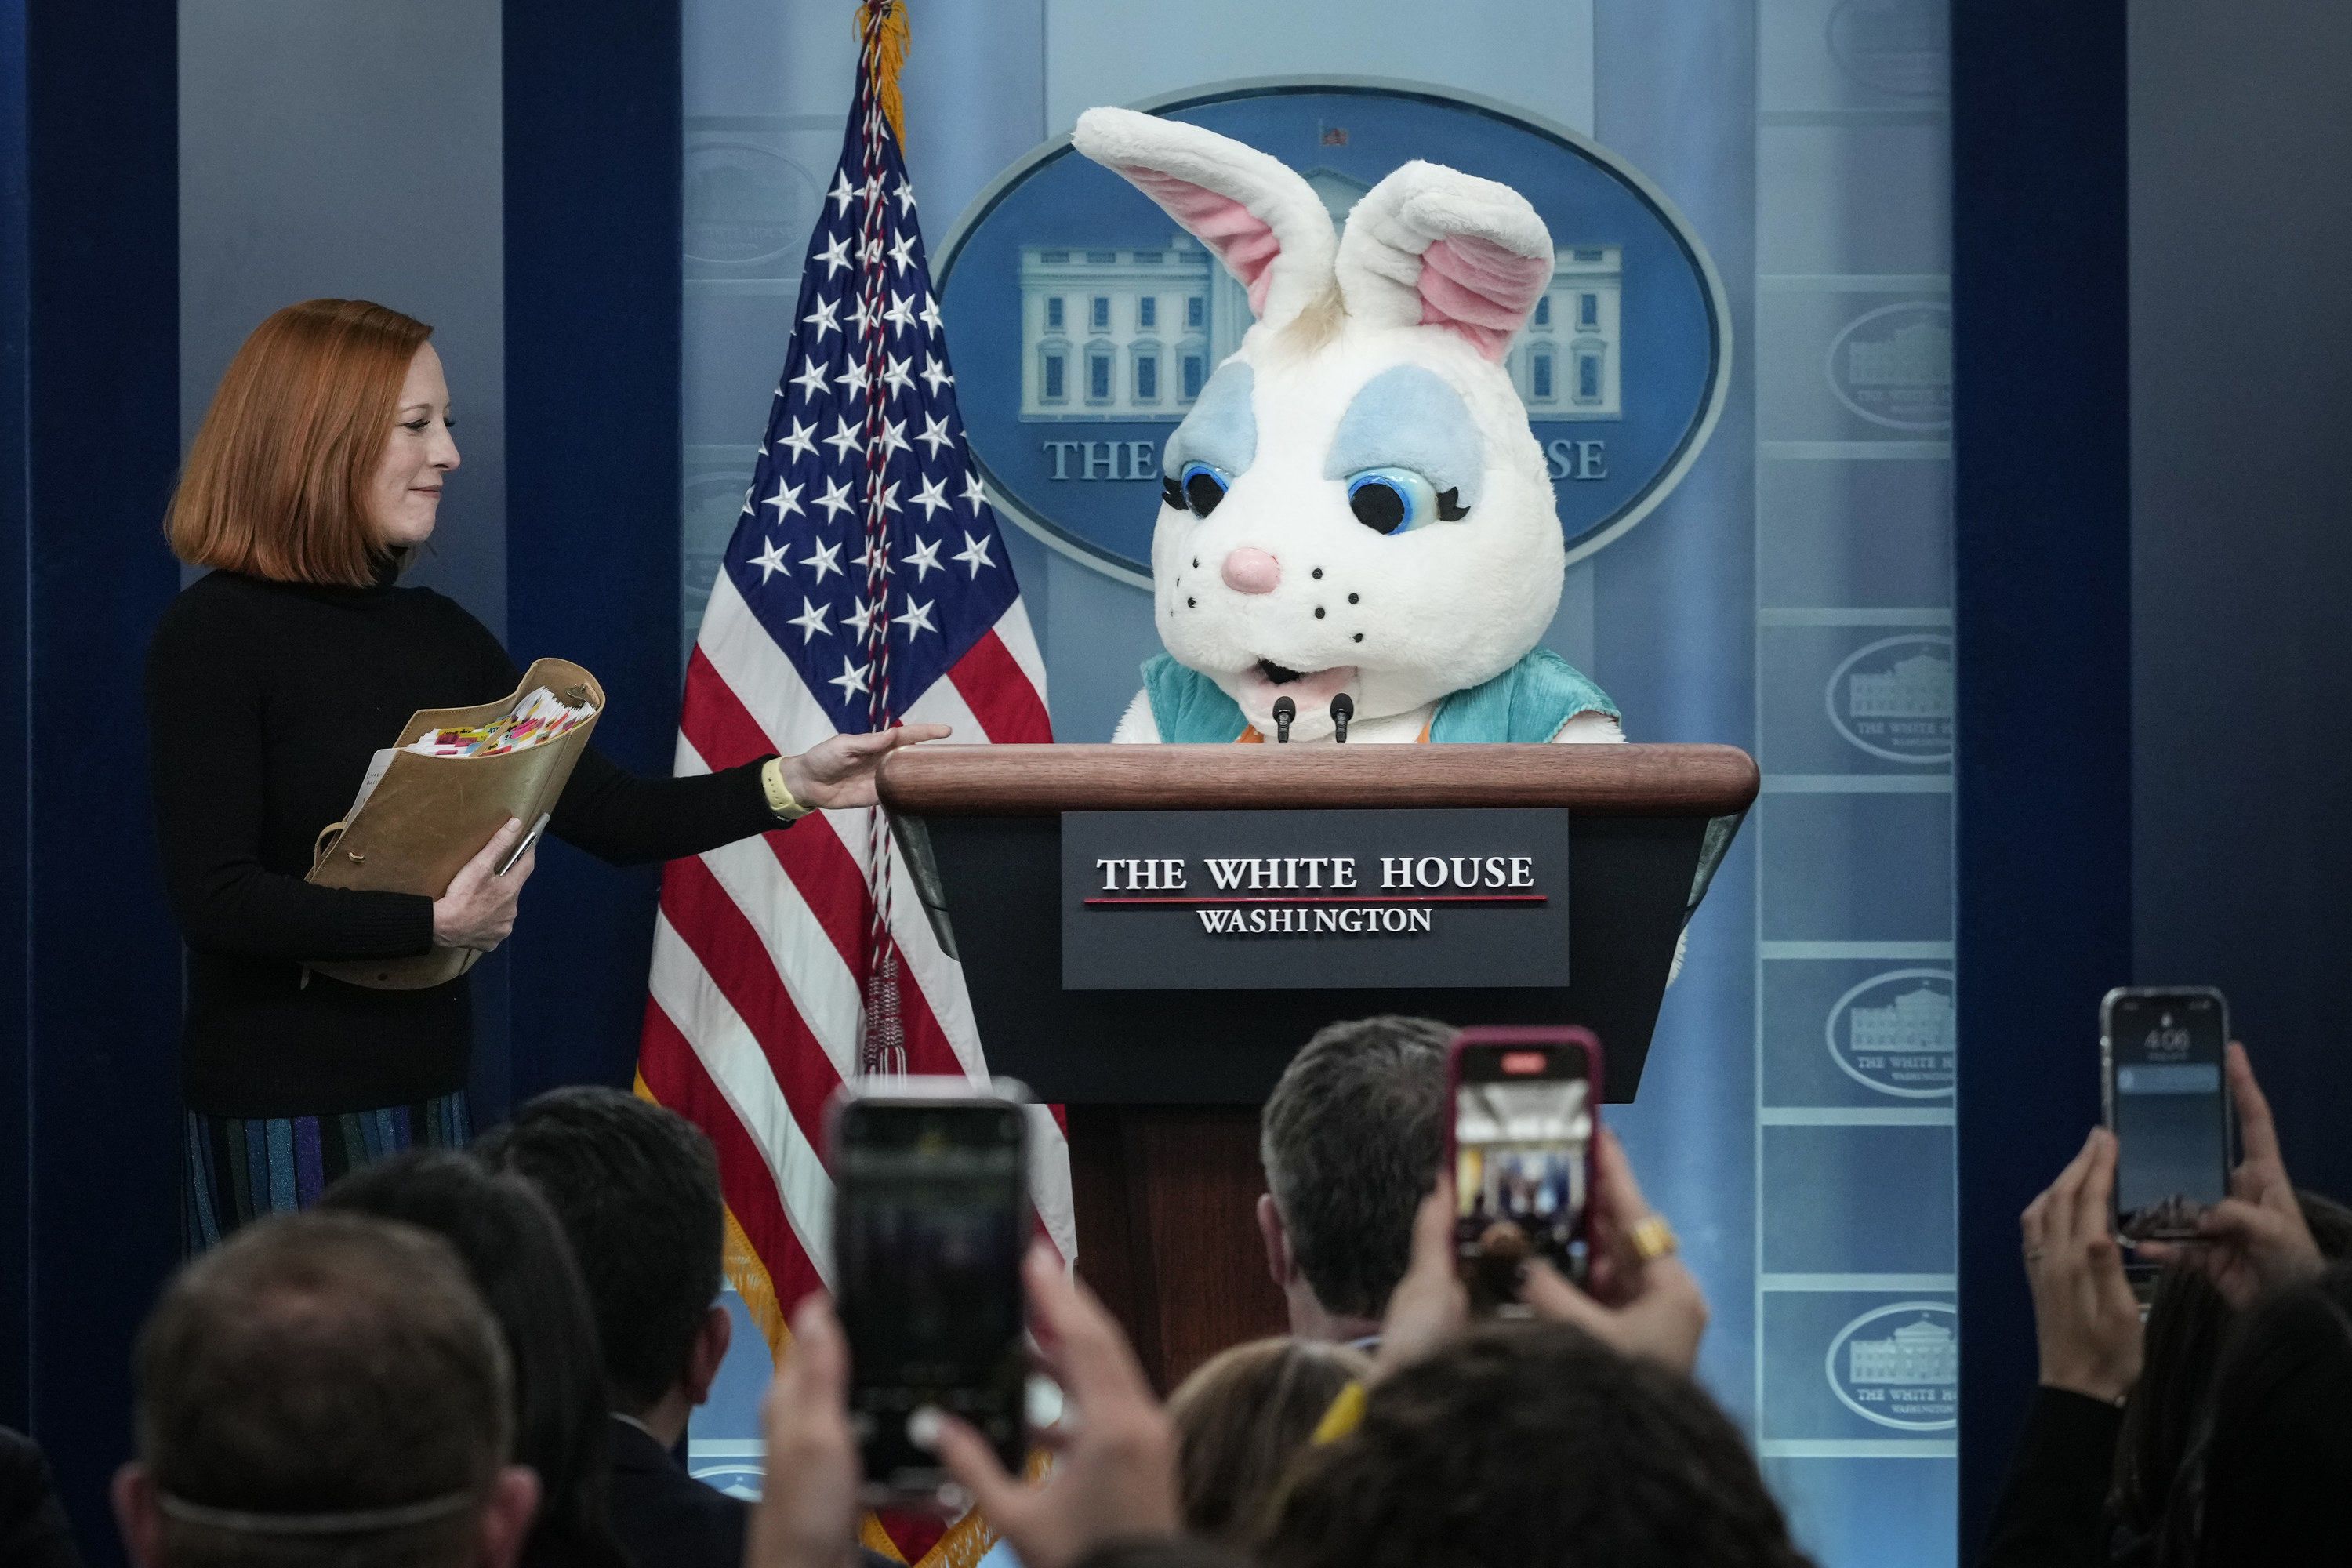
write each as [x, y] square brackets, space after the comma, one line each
[1285, 711]
[1342, 709]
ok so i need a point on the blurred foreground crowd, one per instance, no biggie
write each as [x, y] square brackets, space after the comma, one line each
[490, 1359]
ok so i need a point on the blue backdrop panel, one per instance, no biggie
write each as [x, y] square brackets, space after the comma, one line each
[2041, 544]
[91, 335]
[592, 354]
[1855, 1029]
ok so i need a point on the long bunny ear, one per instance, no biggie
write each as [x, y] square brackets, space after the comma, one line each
[1252, 211]
[1432, 245]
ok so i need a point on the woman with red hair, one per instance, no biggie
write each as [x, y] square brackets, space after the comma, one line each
[270, 683]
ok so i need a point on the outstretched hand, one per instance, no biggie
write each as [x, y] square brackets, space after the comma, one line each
[1115, 1478]
[837, 773]
[2255, 1239]
[2086, 1318]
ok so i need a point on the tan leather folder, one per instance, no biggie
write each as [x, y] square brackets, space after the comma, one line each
[426, 817]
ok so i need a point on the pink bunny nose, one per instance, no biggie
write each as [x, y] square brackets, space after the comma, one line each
[1249, 571]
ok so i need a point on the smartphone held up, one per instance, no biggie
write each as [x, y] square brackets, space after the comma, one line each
[931, 1222]
[2166, 1099]
[1524, 1108]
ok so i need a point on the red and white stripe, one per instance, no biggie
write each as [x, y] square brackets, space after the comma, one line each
[755, 1004]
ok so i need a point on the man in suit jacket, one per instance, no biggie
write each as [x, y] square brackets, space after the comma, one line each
[636, 1188]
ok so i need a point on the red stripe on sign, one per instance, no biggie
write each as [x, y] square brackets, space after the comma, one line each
[728, 946]
[677, 1079]
[996, 688]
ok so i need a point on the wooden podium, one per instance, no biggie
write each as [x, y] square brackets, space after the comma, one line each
[1162, 1087]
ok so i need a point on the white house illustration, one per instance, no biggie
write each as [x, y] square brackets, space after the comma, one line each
[1920, 1353]
[1130, 334]
[1918, 1020]
[1919, 686]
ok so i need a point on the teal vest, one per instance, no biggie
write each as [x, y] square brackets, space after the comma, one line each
[1529, 701]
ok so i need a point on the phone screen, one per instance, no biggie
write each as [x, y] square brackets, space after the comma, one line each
[2170, 1115]
[930, 1236]
[1522, 1143]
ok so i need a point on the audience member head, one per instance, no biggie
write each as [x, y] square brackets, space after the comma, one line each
[1535, 1445]
[2265, 1482]
[2188, 1324]
[516, 1255]
[1240, 1420]
[636, 1188]
[323, 1389]
[1351, 1140]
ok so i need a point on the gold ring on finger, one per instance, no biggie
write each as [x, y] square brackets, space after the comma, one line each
[1654, 1239]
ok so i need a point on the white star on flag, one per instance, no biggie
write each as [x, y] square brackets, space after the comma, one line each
[835, 500]
[827, 559]
[852, 679]
[918, 618]
[811, 620]
[975, 553]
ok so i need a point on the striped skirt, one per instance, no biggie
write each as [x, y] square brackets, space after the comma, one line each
[239, 1168]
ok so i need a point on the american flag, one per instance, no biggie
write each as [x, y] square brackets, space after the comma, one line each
[866, 585]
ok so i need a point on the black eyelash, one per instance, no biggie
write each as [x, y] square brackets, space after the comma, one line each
[1449, 506]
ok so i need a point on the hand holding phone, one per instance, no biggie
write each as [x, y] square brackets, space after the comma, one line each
[930, 1221]
[1114, 1473]
[2256, 1239]
[2086, 1321]
[1525, 1105]
[807, 1512]
[1644, 1307]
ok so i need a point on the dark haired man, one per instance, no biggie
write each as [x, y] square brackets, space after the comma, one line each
[1351, 1140]
[636, 1189]
[324, 1388]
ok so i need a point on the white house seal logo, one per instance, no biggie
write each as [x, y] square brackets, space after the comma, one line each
[1894, 698]
[1086, 323]
[1893, 366]
[739, 204]
[1896, 1033]
[1900, 1367]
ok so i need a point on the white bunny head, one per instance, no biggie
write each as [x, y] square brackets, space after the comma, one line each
[1355, 502]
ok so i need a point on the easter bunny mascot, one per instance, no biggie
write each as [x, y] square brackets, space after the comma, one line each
[1355, 505]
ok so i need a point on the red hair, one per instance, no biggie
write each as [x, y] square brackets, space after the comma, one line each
[277, 482]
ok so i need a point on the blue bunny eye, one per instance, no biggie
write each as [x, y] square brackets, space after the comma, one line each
[1197, 490]
[1392, 501]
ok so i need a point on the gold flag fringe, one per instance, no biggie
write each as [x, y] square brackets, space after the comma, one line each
[882, 25]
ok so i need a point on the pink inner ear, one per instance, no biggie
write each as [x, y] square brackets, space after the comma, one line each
[1243, 241]
[1480, 290]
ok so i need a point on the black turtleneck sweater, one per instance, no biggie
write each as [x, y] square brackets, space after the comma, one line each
[265, 701]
